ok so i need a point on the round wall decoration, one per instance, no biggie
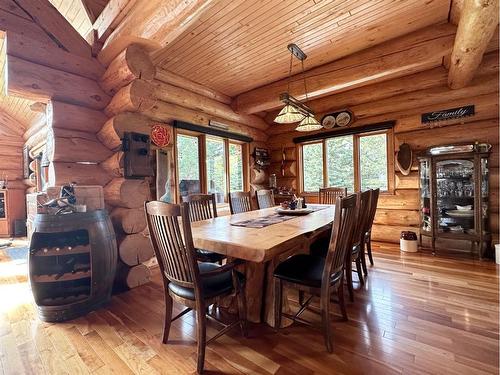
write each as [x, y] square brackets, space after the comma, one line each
[160, 135]
[343, 118]
[328, 122]
[404, 159]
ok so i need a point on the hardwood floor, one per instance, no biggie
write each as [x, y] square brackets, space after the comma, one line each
[416, 314]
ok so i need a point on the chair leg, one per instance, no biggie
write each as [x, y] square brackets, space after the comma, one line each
[359, 271]
[168, 316]
[242, 310]
[340, 295]
[301, 297]
[369, 249]
[348, 277]
[278, 304]
[325, 321]
[201, 336]
[363, 258]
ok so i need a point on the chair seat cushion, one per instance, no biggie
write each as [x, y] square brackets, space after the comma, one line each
[213, 286]
[208, 256]
[304, 269]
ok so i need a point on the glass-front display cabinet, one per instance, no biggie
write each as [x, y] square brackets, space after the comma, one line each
[454, 195]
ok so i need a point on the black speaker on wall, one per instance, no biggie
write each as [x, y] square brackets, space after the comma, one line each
[137, 155]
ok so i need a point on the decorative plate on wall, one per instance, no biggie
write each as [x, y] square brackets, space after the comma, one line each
[343, 118]
[328, 122]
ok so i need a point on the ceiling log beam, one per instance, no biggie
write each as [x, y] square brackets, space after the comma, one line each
[478, 22]
[152, 24]
[405, 55]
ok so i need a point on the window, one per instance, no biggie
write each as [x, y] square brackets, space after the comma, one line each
[210, 164]
[236, 178]
[373, 162]
[216, 168]
[357, 162]
[188, 164]
[312, 156]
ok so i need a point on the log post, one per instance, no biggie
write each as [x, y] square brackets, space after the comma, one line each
[112, 131]
[136, 96]
[128, 220]
[61, 115]
[83, 174]
[134, 249]
[478, 22]
[126, 193]
[133, 63]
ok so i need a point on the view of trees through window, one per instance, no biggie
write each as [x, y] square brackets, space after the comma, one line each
[188, 164]
[235, 167]
[373, 161]
[216, 168]
[340, 167]
[220, 174]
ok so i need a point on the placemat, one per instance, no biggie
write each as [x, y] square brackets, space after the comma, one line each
[264, 221]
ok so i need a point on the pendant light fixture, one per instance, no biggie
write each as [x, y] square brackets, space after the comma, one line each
[294, 110]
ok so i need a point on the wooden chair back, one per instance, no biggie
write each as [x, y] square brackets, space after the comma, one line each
[364, 213]
[329, 195]
[344, 225]
[265, 199]
[240, 201]
[373, 209]
[174, 251]
[201, 206]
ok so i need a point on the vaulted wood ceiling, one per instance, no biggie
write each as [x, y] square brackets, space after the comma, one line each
[237, 45]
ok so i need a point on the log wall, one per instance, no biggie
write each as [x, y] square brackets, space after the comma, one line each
[400, 210]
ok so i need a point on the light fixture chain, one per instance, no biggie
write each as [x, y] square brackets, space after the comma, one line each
[289, 74]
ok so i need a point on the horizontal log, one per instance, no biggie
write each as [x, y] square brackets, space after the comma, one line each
[407, 218]
[407, 182]
[48, 54]
[111, 16]
[134, 249]
[114, 165]
[111, 133]
[482, 131]
[136, 96]
[10, 162]
[40, 83]
[478, 22]
[53, 23]
[35, 128]
[120, 192]
[12, 174]
[167, 112]
[405, 55]
[390, 233]
[184, 83]
[128, 220]
[38, 107]
[14, 151]
[61, 173]
[131, 277]
[176, 95]
[23, 26]
[74, 146]
[132, 63]
[400, 200]
[74, 117]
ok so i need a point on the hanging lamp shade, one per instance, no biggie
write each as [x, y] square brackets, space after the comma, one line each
[308, 124]
[288, 115]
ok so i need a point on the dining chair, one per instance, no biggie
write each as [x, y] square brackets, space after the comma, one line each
[319, 276]
[356, 255]
[203, 207]
[185, 281]
[240, 201]
[265, 199]
[369, 225]
[329, 195]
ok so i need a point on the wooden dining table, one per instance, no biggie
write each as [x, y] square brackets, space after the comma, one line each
[262, 249]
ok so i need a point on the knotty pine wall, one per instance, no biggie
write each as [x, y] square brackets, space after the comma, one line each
[400, 211]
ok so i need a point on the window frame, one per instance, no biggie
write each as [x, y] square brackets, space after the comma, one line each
[356, 161]
[202, 157]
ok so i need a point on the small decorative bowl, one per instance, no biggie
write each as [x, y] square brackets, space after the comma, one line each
[284, 205]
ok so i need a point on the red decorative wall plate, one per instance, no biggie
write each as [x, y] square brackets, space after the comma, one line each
[160, 135]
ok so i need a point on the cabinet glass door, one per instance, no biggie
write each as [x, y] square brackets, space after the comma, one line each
[455, 196]
[3, 214]
[484, 192]
[425, 195]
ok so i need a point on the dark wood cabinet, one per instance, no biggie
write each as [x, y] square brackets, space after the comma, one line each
[454, 198]
[12, 208]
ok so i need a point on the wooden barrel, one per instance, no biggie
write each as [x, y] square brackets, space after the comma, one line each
[72, 263]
